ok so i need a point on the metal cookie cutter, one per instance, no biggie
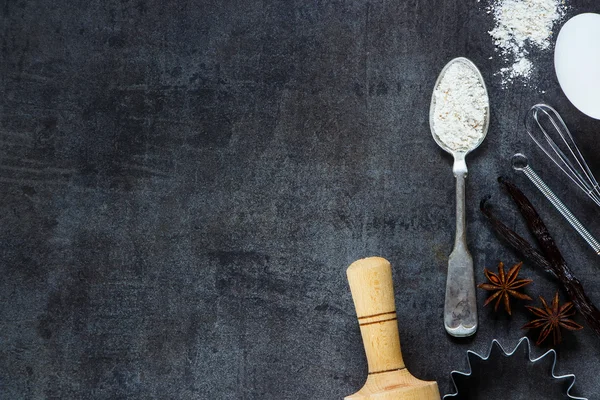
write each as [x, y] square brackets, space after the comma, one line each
[511, 377]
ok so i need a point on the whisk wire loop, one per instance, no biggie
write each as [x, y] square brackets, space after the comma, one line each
[543, 124]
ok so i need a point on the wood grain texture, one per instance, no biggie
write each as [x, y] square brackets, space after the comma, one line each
[372, 289]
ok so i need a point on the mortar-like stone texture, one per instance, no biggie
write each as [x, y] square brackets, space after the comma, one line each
[184, 184]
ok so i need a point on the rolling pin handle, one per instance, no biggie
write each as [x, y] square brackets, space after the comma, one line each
[373, 294]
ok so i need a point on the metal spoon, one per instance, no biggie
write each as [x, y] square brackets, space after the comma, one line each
[460, 308]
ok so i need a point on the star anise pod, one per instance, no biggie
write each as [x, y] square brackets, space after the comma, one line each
[505, 285]
[551, 319]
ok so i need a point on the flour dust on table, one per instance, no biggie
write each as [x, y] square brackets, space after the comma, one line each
[521, 28]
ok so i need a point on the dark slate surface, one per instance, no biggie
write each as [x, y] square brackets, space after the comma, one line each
[184, 184]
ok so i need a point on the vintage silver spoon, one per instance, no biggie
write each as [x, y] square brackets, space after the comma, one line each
[460, 308]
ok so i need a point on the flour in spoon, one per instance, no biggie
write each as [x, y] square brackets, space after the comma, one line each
[461, 105]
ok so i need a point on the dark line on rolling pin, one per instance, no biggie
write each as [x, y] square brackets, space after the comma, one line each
[387, 370]
[378, 322]
[377, 315]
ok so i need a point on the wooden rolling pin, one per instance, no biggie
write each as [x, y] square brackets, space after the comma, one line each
[373, 293]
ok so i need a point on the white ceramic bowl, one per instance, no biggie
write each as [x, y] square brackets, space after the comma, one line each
[577, 62]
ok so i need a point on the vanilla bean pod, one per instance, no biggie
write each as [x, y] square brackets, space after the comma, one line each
[550, 259]
[516, 241]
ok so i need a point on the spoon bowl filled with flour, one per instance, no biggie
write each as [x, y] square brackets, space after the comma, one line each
[459, 112]
[459, 119]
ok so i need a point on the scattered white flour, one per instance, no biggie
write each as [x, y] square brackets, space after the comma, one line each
[523, 25]
[521, 68]
[460, 108]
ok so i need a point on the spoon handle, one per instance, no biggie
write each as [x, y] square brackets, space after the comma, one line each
[460, 309]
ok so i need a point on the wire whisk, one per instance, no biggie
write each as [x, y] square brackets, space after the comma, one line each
[548, 130]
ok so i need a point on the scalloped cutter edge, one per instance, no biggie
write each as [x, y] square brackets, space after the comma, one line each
[551, 352]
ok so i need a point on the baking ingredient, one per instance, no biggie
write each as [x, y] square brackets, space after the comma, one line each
[551, 319]
[460, 108]
[551, 260]
[505, 285]
[577, 62]
[523, 26]
[521, 68]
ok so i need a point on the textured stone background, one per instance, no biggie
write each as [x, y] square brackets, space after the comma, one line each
[184, 184]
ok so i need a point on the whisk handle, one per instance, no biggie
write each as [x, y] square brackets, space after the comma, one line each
[566, 213]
